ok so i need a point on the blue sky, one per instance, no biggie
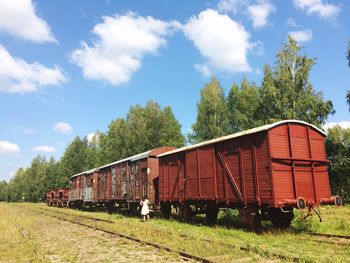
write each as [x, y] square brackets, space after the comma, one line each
[69, 68]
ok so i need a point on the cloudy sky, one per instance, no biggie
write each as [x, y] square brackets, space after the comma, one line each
[69, 68]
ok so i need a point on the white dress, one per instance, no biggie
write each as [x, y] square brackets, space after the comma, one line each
[145, 209]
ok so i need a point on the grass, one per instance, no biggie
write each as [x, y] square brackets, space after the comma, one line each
[227, 238]
[31, 237]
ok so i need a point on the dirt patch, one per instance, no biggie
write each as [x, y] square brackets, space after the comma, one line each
[58, 241]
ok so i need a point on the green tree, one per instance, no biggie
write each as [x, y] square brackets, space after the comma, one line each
[243, 106]
[286, 92]
[212, 113]
[151, 127]
[114, 144]
[15, 188]
[3, 194]
[338, 152]
[94, 151]
[143, 129]
[74, 159]
[34, 180]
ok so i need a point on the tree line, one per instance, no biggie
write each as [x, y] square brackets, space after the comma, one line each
[285, 93]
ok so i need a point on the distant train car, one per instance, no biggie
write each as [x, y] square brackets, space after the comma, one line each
[57, 197]
[262, 172]
[123, 182]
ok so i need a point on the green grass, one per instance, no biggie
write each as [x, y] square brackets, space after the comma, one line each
[228, 236]
[46, 239]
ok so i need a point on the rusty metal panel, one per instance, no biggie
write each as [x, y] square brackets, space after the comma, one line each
[247, 153]
[303, 172]
[192, 188]
[94, 186]
[75, 191]
[322, 182]
[262, 162]
[152, 177]
[279, 141]
[206, 168]
[299, 141]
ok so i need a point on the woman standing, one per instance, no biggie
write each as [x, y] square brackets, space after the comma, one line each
[145, 208]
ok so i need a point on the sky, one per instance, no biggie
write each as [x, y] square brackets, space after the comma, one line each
[69, 68]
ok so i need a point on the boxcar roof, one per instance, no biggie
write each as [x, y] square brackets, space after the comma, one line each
[240, 134]
[131, 158]
[85, 172]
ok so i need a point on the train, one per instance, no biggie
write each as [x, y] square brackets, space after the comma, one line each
[265, 173]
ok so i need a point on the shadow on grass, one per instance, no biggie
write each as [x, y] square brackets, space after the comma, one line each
[227, 218]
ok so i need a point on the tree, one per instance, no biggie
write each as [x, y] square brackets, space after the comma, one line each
[94, 157]
[15, 188]
[74, 159]
[286, 92]
[243, 106]
[212, 113]
[348, 98]
[338, 152]
[114, 144]
[143, 129]
[3, 194]
[151, 127]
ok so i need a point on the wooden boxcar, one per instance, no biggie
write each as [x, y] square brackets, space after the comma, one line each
[57, 197]
[124, 182]
[263, 172]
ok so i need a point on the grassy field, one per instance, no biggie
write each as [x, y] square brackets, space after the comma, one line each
[30, 237]
[221, 243]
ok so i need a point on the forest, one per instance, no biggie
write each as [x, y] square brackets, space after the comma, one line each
[285, 93]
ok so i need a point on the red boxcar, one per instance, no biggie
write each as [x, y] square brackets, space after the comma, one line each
[57, 197]
[263, 172]
[123, 182]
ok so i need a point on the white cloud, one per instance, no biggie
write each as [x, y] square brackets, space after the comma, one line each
[44, 149]
[259, 13]
[258, 48]
[18, 18]
[291, 22]
[342, 124]
[323, 10]
[301, 35]
[62, 127]
[8, 148]
[221, 40]
[203, 69]
[122, 42]
[227, 6]
[17, 76]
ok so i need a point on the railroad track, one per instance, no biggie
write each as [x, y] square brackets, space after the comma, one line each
[327, 235]
[183, 254]
[80, 216]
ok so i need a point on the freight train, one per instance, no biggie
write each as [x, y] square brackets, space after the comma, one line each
[264, 173]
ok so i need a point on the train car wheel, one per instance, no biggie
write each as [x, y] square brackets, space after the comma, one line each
[281, 219]
[166, 209]
[212, 212]
[250, 218]
[185, 212]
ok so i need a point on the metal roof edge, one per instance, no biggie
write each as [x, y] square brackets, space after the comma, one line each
[130, 158]
[85, 172]
[239, 134]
